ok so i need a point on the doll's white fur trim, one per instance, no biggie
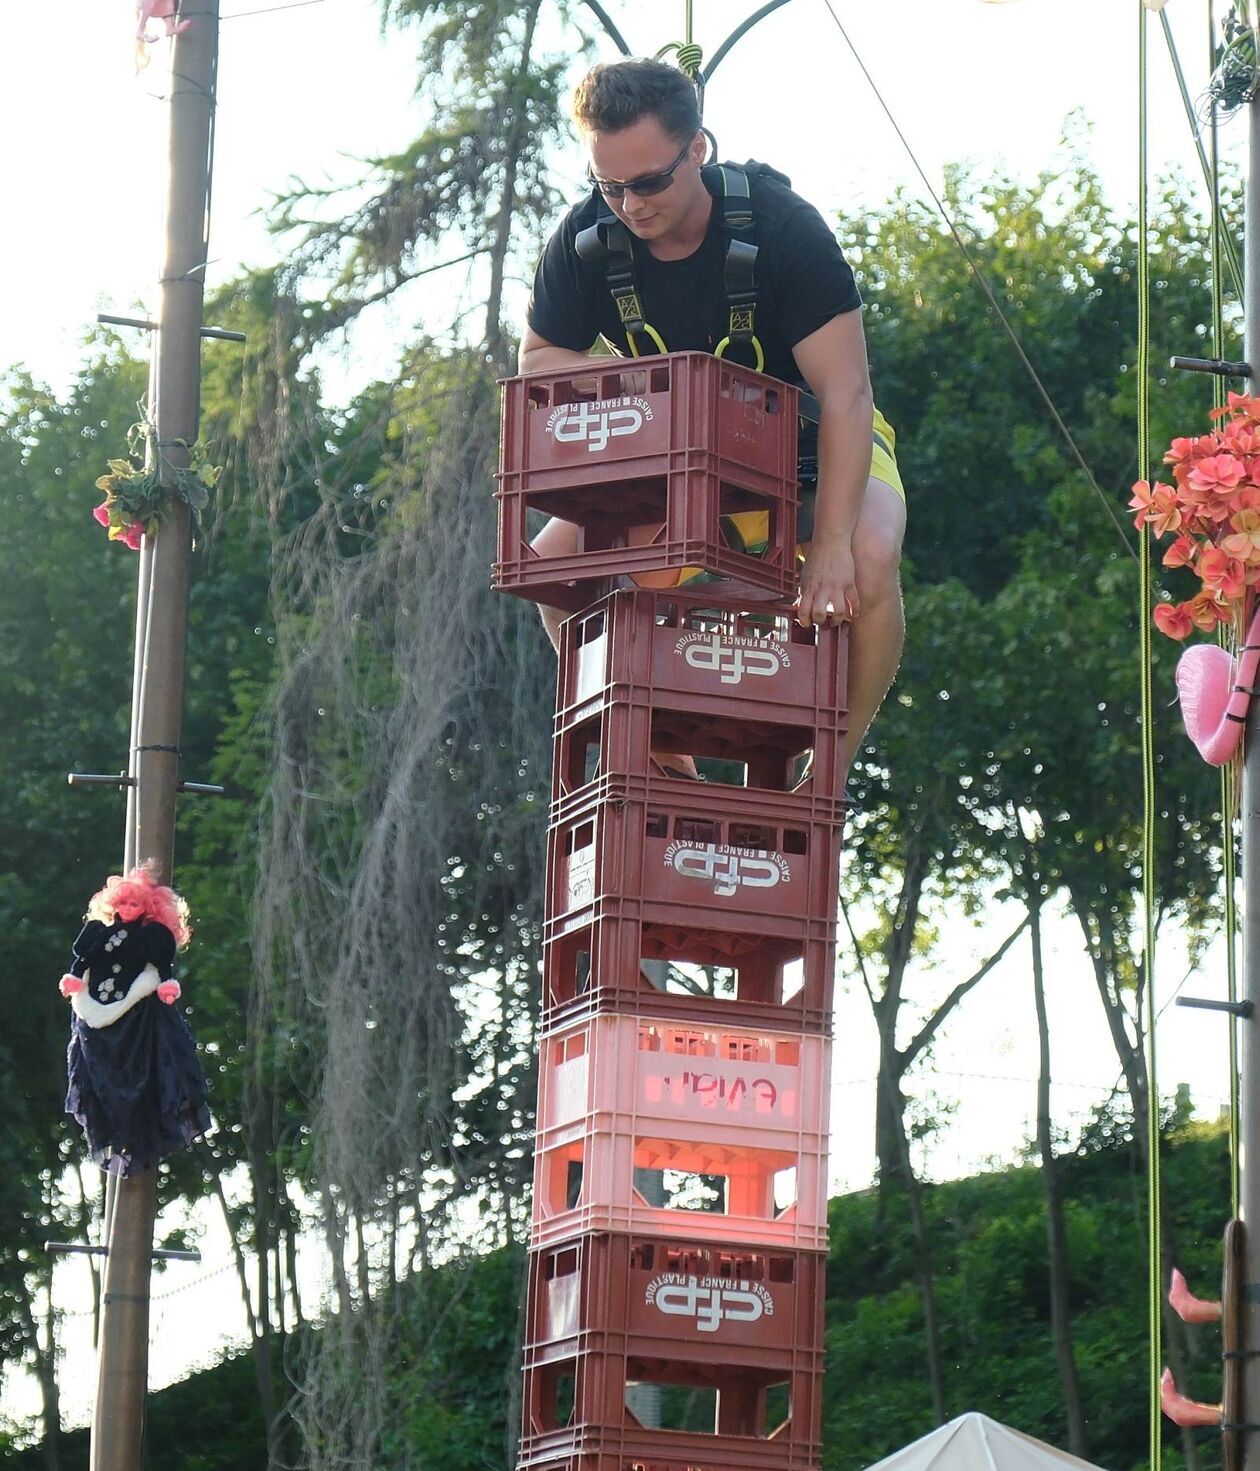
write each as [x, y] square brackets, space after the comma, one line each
[101, 1013]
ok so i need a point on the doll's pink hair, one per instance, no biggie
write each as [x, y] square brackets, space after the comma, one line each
[161, 905]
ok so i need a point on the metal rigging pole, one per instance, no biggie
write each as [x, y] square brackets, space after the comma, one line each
[1249, 1052]
[158, 693]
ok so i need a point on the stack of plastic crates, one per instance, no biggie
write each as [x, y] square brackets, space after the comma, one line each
[677, 1263]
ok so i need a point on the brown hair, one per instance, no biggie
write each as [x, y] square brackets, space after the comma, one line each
[614, 95]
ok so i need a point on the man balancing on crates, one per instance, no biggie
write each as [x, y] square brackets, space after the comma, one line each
[678, 277]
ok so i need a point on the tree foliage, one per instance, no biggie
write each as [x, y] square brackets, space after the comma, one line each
[368, 894]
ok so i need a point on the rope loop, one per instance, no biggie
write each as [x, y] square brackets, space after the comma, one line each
[687, 55]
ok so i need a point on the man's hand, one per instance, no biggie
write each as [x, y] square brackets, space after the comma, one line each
[828, 593]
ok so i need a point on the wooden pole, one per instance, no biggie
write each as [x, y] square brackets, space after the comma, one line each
[158, 692]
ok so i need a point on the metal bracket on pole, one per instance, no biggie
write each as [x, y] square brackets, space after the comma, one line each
[1243, 1009]
[159, 1253]
[1222, 367]
[142, 324]
[92, 779]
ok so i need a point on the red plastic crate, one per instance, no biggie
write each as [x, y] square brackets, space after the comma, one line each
[645, 1295]
[635, 1449]
[675, 444]
[771, 1409]
[759, 1190]
[704, 654]
[617, 736]
[772, 973]
[695, 854]
[613, 420]
[638, 1075]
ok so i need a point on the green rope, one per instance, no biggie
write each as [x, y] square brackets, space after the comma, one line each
[688, 56]
[1208, 167]
[1148, 759]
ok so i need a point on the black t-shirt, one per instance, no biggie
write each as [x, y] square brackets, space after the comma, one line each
[803, 280]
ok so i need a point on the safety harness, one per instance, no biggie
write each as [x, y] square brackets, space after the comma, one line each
[607, 243]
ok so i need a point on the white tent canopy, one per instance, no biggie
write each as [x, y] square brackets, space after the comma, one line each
[973, 1442]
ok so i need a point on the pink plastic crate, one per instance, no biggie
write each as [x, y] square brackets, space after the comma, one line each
[757, 1191]
[623, 955]
[644, 1075]
[686, 650]
[645, 1294]
[711, 855]
[676, 444]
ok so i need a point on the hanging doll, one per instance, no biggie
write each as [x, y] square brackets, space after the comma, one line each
[134, 1081]
[166, 11]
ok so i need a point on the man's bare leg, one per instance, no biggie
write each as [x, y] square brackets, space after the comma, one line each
[878, 632]
[560, 539]
[556, 539]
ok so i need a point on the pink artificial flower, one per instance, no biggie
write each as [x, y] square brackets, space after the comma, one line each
[133, 536]
[1182, 553]
[1241, 438]
[1206, 612]
[1180, 451]
[1173, 619]
[1216, 474]
[1238, 406]
[1157, 507]
[101, 513]
[1222, 574]
[1141, 502]
[1245, 541]
[1165, 513]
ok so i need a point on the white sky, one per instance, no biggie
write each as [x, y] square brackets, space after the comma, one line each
[305, 91]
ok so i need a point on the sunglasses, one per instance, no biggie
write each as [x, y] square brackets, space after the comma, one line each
[644, 185]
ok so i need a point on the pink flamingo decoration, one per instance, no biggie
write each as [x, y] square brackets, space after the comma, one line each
[1183, 1411]
[1190, 1309]
[1215, 695]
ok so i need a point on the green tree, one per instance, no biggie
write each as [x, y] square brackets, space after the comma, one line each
[1018, 687]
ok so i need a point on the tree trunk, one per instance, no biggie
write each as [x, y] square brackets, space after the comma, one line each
[502, 229]
[926, 1277]
[890, 1103]
[1056, 1226]
[86, 1216]
[45, 1370]
[1102, 950]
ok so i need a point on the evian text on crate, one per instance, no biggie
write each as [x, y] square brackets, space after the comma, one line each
[711, 1089]
[709, 1300]
[596, 423]
[732, 658]
[727, 869]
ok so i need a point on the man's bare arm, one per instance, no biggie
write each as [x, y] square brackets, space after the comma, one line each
[537, 355]
[833, 363]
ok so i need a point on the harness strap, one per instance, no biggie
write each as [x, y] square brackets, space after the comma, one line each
[740, 271]
[607, 241]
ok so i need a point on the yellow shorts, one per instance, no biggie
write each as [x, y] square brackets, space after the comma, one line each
[749, 531]
[884, 454]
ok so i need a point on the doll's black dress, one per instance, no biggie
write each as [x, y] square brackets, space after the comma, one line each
[134, 1080]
